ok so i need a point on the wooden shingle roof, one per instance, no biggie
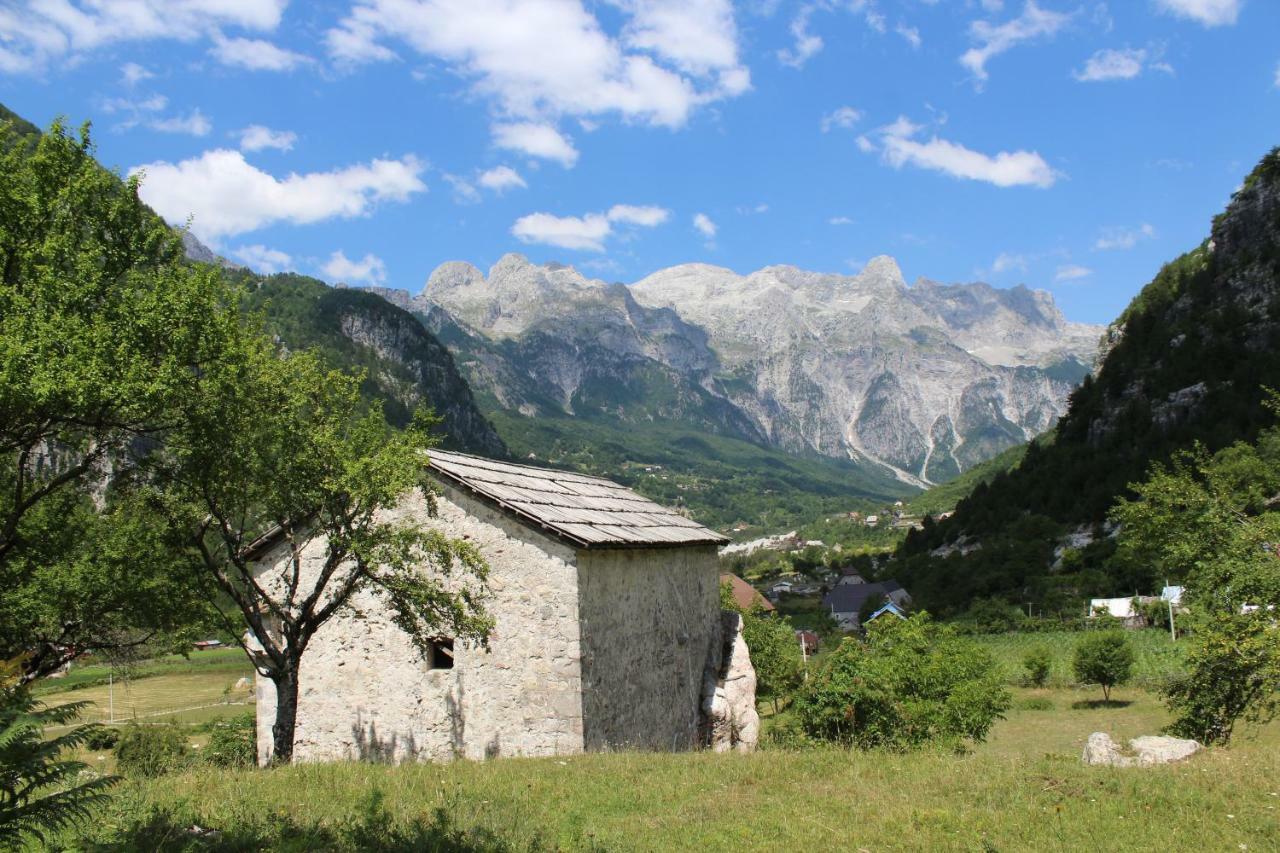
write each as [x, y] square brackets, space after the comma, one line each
[589, 512]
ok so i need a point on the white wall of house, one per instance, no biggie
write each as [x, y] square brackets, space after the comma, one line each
[592, 649]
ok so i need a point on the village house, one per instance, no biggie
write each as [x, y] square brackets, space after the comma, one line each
[846, 601]
[746, 596]
[608, 633]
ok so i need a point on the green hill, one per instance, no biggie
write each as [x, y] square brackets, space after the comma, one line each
[1187, 362]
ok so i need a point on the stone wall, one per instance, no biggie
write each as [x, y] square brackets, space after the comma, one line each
[650, 627]
[366, 692]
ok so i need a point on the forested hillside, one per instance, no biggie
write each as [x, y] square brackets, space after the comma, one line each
[404, 365]
[1187, 362]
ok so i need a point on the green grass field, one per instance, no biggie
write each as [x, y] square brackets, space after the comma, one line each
[1024, 789]
[1156, 657]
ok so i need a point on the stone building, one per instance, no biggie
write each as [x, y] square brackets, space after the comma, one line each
[608, 634]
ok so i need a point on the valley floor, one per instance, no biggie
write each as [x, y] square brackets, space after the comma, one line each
[1024, 789]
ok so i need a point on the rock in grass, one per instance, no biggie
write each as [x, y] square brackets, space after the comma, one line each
[1148, 750]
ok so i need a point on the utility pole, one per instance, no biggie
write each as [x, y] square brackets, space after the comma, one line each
[1173, 633]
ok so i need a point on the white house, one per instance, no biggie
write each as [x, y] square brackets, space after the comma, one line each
[608, 633]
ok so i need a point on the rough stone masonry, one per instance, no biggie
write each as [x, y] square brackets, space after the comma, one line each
[598, 645]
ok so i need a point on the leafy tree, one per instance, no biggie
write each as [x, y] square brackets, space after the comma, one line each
[1212, 522]
[282, 443]
[910, 683]
[1104, 658]
[102, 327]
[40, 791]
[773, 646]
[1037, 661]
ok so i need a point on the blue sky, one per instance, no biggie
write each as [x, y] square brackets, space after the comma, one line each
[1071, 146]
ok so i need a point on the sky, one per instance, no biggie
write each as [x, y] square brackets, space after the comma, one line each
[1069, 146]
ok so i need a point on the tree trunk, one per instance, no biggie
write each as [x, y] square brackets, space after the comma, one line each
[286, 715]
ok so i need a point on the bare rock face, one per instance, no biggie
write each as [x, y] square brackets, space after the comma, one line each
[1148, 750]
[730, 720]
[924, 380]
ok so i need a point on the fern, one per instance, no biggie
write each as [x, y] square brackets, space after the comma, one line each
[40, 791]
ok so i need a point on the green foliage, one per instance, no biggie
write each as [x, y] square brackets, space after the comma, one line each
[1212, 521]
[286, 443]
[1037, 661]
[152, 749]
[106, 737]
[233, 742]
[908, 684]
[102, 325]
[1233, 671]
[993, 616]
[40, 791]
[1104, 658]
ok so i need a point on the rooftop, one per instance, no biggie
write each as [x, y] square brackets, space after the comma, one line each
[589, 512]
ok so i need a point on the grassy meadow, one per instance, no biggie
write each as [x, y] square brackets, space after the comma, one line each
[1024, 789]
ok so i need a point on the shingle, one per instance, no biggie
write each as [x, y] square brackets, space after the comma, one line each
[589, 511]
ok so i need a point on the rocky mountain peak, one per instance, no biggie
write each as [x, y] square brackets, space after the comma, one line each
[452, 275]
[883, 268]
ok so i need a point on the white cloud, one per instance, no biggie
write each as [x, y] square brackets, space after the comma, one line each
[911, 34]
[500, 179]
[841, 117]
[193, 123]
[368, 270]
[585, 233]
[131, 74]
[1210, 13]
[992, 39]
[704, 225]
[38, 34]
[839, 220]
[753, 210]
[898, 148]
[536, 140]
[1005, 262]
[1072, 272]
[262, 259]
[644, 215]
[464, 192]
[543, 59]
[1112, 65]
[1123, 238]
[255, 137]
[807, 45]
[255, 54]
[225, 195]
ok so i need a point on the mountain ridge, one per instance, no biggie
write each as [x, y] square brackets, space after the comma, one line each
[803, 361]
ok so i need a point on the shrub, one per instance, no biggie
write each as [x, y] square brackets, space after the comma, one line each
[1233, 671]
[40, 791]
[910, 683]
[1104, 658]
[151, 750]
[233, 742]
[102, 738]
[1037, 661]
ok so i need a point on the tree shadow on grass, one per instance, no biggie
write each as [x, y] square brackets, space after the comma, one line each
[1094, 704]
[373, 828]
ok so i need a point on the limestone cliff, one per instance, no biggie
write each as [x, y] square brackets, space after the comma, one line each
[926, 380]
